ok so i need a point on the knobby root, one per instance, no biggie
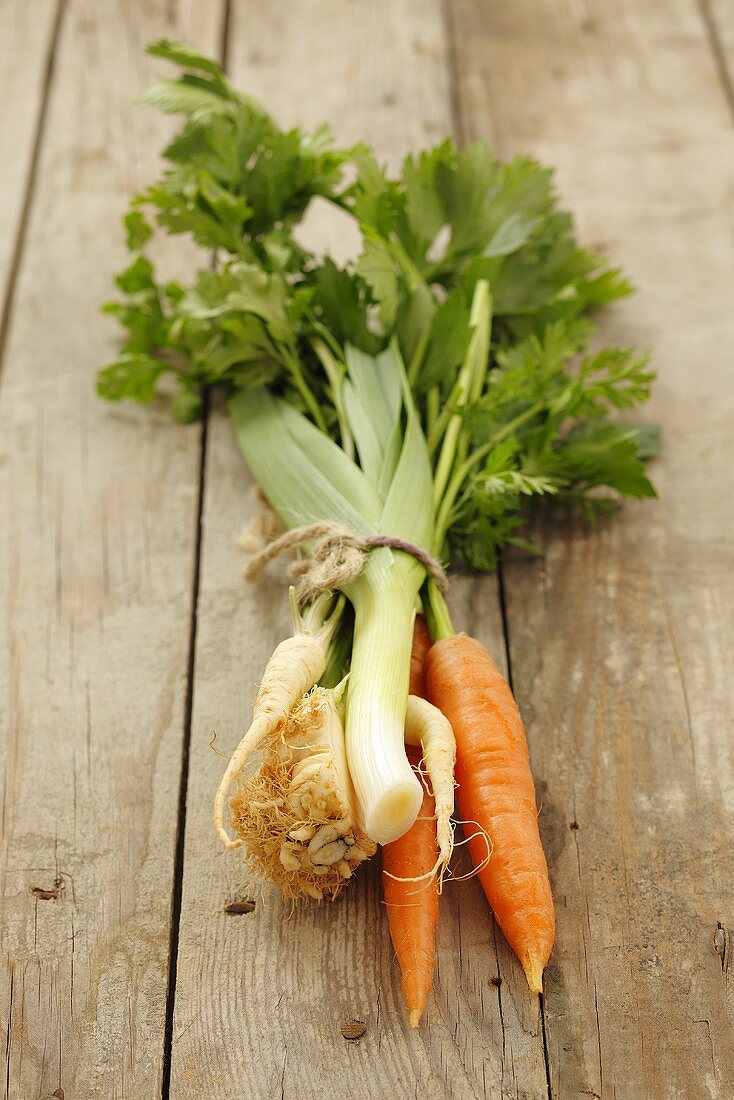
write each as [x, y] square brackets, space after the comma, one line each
[294, 815]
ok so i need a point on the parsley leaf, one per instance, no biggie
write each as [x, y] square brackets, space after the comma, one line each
[376, 267]
[468, 263]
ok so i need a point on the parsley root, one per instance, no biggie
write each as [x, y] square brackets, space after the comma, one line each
[428, 729]
[295, 666]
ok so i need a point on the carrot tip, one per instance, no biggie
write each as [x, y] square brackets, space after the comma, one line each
[414, 1017]
[534, 974]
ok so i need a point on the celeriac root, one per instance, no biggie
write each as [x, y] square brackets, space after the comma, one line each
[295, 814]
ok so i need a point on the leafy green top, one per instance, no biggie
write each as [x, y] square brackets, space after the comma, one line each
[466, 262]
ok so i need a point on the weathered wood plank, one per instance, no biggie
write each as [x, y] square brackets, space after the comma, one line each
[27, 37]
[99, 526]
[262, 998]
[621, 639]
[719, 18]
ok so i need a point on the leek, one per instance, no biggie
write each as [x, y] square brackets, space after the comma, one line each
[305, 476]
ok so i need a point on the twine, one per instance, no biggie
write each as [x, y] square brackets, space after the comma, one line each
[336, 558]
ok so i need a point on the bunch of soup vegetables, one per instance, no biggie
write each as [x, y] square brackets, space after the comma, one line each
[398, 412]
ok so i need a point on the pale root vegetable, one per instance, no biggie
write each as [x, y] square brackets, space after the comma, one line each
[428, 729]
[295, 815]
[295, 666]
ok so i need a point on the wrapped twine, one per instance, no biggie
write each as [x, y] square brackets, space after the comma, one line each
[336, 558]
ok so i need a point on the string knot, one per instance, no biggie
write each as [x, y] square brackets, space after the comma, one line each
[336, 557]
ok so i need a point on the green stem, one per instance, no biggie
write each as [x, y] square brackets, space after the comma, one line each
[437, 614]
[321, 617]
[339, 652]
[440, 269]
[437, 430]
[462, 472]
[410, 270]
[432, 411]
[469, 386]
[322, 331]
[446, 459]
[335, 376]
[299, 381]
[416, 359]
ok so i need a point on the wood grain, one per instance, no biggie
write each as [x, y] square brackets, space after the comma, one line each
[263, 998]
[718, 15]
[621, 639]
[99, 510]
[27, 40]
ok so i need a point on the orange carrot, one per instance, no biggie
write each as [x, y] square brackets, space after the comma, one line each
[421, 644]
[412, 907]
[496, 790]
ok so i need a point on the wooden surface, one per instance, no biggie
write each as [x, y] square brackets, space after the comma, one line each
[629, 699]
[29, 32]
[129, 634]
[96, 563]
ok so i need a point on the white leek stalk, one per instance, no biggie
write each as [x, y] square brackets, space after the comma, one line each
[384, 599]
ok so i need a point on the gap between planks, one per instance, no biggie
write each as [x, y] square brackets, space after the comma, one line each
[717, 49]
[460, 134]
[16, 257]
[178, 869]
[177, 886]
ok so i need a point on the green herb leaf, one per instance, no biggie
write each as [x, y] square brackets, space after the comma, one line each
[516, 409]
[448, 342]
[138, 230]
[133, 376]
[377, 268]
[340, 304]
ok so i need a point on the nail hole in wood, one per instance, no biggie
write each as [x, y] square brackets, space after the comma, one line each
[496, 982]
[50, 894]
[353, 1030]
[574, 825]
[236, 908]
